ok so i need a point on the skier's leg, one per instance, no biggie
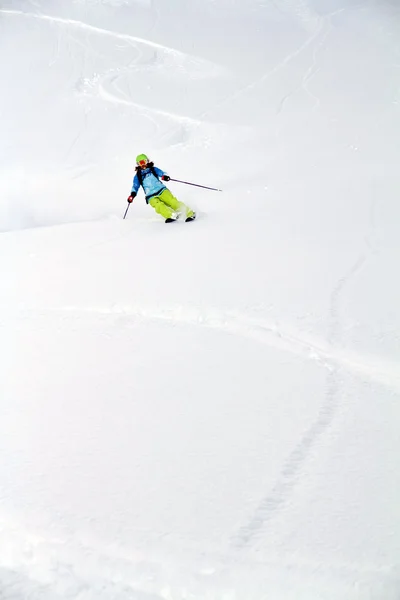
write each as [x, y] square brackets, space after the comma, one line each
[175, 204]
[161, 208]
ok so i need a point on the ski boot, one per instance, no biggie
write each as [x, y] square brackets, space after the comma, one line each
[174, 217]
[191, 215]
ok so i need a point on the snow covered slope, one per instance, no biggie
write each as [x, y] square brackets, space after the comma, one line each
[205, 410]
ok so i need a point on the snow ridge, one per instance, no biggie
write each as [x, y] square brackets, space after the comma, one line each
[260, 330]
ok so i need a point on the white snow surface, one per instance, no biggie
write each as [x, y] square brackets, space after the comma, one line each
[210, 410]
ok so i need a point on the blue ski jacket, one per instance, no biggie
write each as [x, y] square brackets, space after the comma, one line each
[152, 186]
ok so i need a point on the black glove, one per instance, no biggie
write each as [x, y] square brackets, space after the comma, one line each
[165, 177]
[131, 197]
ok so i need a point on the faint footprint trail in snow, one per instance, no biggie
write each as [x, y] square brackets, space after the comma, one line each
[287, 480]
[292, 469]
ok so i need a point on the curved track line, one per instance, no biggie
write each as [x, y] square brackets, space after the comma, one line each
[261, 331]
[99, 30]
[114, 99]
[309, 74]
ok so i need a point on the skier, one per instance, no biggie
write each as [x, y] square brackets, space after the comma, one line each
[157, 194]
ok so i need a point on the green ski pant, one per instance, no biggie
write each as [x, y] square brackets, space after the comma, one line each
[166, 205]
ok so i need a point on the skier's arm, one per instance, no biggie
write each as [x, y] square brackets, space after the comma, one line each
[135, 185]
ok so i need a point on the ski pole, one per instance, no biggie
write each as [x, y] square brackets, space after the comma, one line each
[196, 185]
[127, 209]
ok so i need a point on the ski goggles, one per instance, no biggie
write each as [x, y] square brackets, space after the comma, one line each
[142, 163]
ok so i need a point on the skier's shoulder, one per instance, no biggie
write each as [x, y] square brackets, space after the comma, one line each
[157, 170]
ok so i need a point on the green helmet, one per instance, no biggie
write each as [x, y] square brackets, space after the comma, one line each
[141, 158]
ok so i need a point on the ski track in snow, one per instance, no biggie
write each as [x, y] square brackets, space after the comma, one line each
[311, 70]
[99, 30]
[109, 96]
[119, 99]
[323, 31]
